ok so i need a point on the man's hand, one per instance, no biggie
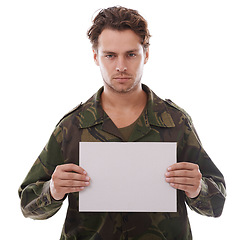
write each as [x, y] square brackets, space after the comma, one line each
[185, 176]
[68, 178]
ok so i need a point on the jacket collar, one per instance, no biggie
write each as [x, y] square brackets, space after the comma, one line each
[156, 113]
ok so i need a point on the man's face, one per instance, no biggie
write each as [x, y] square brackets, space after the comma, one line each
[121, 59]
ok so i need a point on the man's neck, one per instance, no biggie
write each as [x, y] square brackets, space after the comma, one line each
[123, 101]
[124, 108]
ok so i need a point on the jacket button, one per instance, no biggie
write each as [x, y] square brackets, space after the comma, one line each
[45, 200]
[125, 218]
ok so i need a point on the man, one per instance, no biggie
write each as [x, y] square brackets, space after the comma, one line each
[123, 110]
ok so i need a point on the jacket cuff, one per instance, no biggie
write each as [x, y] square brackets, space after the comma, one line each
[46, 198]
[201, 203]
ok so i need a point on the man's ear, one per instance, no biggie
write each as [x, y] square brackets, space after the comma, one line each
[95, 57]
[146, 55]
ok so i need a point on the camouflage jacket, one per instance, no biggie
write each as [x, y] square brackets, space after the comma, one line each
[161, 121]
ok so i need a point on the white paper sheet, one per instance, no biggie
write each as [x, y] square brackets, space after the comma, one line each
[127, 177]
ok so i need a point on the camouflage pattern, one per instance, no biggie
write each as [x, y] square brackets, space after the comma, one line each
[162, 121]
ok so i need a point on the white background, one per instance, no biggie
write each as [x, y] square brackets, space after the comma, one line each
[46, 69]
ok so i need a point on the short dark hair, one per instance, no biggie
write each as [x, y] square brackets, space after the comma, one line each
[119, 18]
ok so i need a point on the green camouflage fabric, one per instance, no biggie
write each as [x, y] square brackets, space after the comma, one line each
[161, 121]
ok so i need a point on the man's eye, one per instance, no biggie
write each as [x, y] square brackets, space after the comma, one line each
[109, 56]
[132, 55]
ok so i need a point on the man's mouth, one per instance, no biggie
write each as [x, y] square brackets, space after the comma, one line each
[122, 79]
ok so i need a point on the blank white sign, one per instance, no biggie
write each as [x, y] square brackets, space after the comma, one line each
[127, 177]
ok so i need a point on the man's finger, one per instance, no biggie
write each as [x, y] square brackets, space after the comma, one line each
[74, 189]
[180, 173]
[182, 165]
[73, 183]
[180, 180]
[183, 187]
[72, 168]
[74, 176]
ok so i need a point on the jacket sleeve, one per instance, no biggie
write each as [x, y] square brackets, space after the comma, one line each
[211, 199]
[34, 192]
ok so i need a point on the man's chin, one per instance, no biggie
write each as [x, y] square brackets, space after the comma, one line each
[122, 88]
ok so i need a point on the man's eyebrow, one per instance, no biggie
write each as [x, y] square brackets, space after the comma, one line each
[134, 50]
[110, 52]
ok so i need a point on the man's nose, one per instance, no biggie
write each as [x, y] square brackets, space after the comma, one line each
[121, 65]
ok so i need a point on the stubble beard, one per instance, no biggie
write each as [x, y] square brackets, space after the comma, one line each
[127, 90]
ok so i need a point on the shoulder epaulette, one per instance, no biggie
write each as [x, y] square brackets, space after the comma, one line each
[171, 103]
[69, 113]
